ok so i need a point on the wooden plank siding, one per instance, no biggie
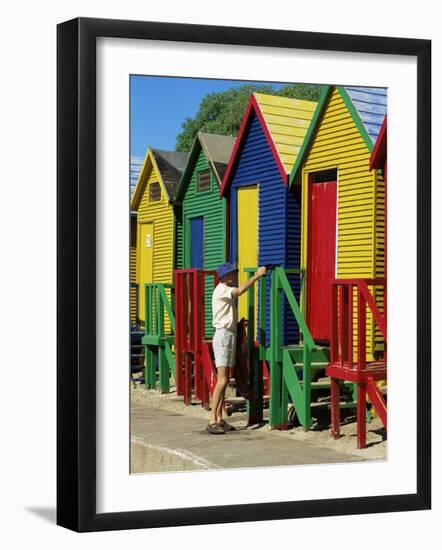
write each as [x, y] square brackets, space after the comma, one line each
[287, 120]
[337, 144]
[269, 141]
[379, 250]
[278, 236]
[213, 209]
[179, 238]
[160, 214]
[133, 270]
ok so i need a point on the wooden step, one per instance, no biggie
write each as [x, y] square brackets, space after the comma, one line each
[320, 356]
[294, 347]
[157, 340]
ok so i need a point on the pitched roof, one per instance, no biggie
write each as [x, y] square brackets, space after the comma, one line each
[288, 120]
[217, 150]
[169, 166]
[285, 122]
[367, 106]
[371, 105]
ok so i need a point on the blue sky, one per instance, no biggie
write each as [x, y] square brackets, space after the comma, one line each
[159, 105]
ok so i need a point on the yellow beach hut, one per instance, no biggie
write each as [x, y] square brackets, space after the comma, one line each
[136, 164]
[343, 217]
[153, 201]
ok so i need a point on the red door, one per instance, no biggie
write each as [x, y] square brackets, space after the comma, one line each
[321, 255]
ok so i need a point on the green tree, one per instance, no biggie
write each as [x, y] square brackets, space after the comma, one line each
[310, 92]
[221, 113]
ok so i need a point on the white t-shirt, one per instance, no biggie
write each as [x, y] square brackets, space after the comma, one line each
[224, 308]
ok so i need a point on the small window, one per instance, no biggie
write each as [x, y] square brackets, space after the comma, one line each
[154, 192]
[203, 180]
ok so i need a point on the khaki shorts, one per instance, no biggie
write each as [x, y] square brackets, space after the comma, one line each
[224, 347]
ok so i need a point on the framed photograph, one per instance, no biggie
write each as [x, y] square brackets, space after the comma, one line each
[227, 232]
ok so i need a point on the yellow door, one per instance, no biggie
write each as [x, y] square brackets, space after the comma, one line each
[247, 241]
[145, 268]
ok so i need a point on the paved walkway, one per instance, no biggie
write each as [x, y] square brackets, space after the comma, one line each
[164, 440]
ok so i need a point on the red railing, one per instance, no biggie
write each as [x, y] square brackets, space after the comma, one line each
[342, 365]
[189, 333]
[342, 342]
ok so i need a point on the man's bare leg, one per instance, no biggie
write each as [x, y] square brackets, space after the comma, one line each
[221, 407]
[218, 394]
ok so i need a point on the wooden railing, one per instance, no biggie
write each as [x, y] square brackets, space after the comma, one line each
[189, 334]
[264, 311]
[342, 366]
[156, 340]
[342, 339]
[156, 302]
[283, 375]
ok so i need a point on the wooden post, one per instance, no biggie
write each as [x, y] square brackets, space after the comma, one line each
[188, 379]
[335, 408]
[307, 388]
[196, 299]
[362, 324]
[189, 339]
[341, 325]
[147, 309]
[250, 340]
[163, 368]
[350, 323]
[275, 353]
[205, 392]
[334, 355]
[150, 376]
[179, 315]
[262, 316]
[361, 364]
[361, 415]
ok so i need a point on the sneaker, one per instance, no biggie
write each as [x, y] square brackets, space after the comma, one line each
[226, 426]
[215, 429]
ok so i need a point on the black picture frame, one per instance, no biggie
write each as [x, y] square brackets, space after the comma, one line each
[76, 273]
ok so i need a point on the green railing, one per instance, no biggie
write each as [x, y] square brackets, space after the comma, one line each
[157, 342]
[262, 305]
[288, 362]
[284, 378]
[156, 303]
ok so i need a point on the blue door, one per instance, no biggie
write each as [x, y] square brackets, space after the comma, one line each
[197, 242]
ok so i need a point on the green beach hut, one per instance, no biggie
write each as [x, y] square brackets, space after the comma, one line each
[201, 226]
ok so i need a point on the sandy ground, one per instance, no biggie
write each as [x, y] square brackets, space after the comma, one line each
[319, 435]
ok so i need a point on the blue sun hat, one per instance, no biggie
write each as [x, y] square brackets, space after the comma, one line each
[225, 269]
